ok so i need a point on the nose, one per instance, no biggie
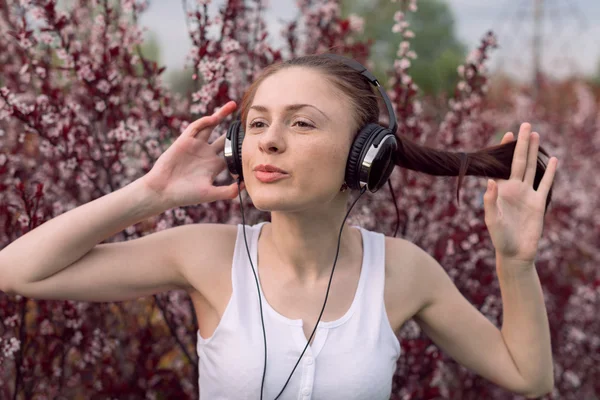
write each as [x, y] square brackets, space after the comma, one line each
[271, 140]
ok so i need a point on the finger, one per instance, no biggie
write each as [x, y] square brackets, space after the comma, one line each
[221, 165]
[218, 116]
[519, 161]
[208, 122]
[548, 178]
[534, 144]
[490, 198]
[192, 129]
[227, 192]
[219, 144]
[507, 138]
[224, 111]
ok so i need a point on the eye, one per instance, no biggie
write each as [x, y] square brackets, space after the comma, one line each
[253, 124]
[304, 124]
[301, 124]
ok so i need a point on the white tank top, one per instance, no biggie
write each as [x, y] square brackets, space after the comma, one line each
[354, 357]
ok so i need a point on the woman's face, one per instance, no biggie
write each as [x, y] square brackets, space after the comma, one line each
[301, 124]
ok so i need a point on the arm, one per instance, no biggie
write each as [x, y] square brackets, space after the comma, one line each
[61, 259]
[518, 357]
[525, 327]
[64, 239]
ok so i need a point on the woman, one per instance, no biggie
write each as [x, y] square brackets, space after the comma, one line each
[302, 117]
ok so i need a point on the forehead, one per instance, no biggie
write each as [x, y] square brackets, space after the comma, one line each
[297, 85]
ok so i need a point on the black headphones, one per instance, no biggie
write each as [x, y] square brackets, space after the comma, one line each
[370, 164]
[371, 158]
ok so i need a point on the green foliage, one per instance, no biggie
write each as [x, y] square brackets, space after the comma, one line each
[439, 76]
[596, 78]
[150, 48]
[180, 81]
[439, 51]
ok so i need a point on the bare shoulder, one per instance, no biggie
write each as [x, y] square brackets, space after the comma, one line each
[203, 251]
[407, 269]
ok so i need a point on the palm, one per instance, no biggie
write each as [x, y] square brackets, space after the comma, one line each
[514, 211]
[517, 218]
[192, 163]
[187, 169]
[184, 174]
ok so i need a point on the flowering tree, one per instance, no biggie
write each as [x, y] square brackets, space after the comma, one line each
[83, 113]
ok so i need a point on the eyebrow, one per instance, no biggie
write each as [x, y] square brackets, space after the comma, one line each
[291, 107]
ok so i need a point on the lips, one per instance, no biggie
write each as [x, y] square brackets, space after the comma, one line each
[267, 173]
[269, 168]
[267, 177]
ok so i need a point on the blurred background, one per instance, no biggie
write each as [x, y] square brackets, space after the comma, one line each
[89, 101]
[559, 38]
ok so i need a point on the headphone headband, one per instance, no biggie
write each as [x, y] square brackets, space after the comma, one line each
[371, 157]
[369, 165]
[358, 67]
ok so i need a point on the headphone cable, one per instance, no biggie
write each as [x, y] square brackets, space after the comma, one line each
[362, 191]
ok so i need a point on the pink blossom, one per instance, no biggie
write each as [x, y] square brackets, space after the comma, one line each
[103, 86]
[100, 106]
[474, 56]
[356, 23]
[85, 127]
[402, 64]
[10, 348]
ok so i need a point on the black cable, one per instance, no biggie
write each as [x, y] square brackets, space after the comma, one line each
[396, 204]
[257, 288]
[362, 191]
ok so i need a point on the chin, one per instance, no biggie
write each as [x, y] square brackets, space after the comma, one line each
[286, 199]
[270, 200]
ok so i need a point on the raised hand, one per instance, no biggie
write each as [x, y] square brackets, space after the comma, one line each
[184, 174]
[514, 211]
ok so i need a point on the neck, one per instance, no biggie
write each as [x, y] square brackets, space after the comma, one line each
[303, 247]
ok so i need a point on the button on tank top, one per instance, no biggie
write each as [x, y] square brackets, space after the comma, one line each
[354, 357]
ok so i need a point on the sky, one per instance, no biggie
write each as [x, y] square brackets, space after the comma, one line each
[570, 46]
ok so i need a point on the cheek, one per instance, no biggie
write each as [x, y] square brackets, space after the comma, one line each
[328, 164]
[339, 156]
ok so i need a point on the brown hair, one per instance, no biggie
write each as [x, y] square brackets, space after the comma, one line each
[490, 162]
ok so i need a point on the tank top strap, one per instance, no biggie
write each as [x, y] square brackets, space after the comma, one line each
[373, 303]
[377, 243]
[243, 278]
[374, 248]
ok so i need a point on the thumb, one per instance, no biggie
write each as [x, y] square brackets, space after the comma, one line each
[221, 193]
[489, 200]
[230, 191]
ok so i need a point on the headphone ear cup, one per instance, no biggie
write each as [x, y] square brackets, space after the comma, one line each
[381, 161]
[356, 155]
[233, 148]
[238, 159]
[384, 162]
